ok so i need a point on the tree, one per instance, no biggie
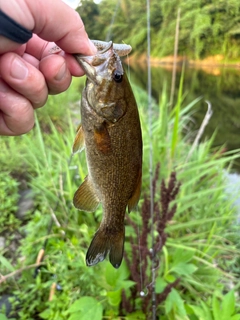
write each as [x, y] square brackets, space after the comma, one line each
[207, 27]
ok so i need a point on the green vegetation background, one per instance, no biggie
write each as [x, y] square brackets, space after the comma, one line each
[199, 261]
[207, 27]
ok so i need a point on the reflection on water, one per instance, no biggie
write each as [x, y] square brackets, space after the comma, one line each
[221, 86]
[233, 190]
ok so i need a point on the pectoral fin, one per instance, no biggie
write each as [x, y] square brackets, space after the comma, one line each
[133, 201]
[102, 139]
[85, 198]
[78, 144]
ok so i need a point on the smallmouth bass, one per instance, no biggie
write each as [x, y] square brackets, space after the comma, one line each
[111, 133]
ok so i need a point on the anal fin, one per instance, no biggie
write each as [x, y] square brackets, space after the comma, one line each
[78, 144]
[85, 198]
[133, 201]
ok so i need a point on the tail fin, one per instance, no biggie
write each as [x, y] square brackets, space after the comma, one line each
[104, 243]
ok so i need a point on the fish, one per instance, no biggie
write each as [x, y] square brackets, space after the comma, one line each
[110, 132]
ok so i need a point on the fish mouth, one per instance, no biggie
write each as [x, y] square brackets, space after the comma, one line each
[108, 46]
[121, 49]
[101, 65]
[103, 48]
[95, 59]
[97, 65]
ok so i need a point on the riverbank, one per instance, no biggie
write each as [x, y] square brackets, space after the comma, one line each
[215, 60]
[211, 65]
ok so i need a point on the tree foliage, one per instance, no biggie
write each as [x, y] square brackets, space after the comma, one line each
[206, 26]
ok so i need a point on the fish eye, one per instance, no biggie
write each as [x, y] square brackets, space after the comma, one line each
[117, 76]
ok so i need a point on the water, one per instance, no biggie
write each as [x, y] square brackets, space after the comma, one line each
[219, 85]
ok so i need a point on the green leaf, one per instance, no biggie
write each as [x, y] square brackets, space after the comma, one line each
[170, 278]
[169, 303]
[184, 268]
[76, 306]
[228, 305]
[180, 305]
[160, 285]
[5, 263]
[45, 314]
[138, 315]
[174, 301]
[86, 308]
[114, 297]
[235, 317]
[126, 284]
[177, 109]
[3, 317]
[74, 316]
[216, 308]
[207, 311]
[115, 277]
[181, 255]
[198, 311]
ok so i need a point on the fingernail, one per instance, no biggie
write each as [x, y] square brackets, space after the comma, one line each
[19, 70]
[61, 73]
[92, 47]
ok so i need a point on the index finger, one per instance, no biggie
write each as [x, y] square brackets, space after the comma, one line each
[52, 21]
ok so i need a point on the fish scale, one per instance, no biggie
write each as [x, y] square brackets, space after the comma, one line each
[111, 133]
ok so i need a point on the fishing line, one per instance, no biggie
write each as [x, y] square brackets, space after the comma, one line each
[128, 69]
[109, 34]
[153, 271]
[142, 294]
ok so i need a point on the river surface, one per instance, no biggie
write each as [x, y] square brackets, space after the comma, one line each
[219, 85]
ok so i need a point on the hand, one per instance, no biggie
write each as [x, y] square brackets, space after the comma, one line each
[29, 72]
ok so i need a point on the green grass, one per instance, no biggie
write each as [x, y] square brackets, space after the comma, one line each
[202, 247]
